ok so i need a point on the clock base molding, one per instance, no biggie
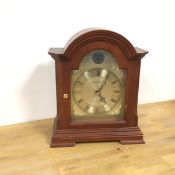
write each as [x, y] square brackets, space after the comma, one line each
[69, 137]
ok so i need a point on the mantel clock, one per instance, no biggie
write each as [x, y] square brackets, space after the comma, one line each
[97, 80]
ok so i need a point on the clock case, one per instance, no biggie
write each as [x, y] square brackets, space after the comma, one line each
[67, 132]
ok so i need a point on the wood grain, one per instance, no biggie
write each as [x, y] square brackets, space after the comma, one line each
[25, 149]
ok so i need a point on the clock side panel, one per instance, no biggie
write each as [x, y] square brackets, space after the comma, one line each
[63, 95]
[133, 95]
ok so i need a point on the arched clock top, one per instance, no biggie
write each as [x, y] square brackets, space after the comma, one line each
[87, 36]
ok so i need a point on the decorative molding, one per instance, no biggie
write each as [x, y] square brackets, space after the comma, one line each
[69, 137]
[118, 40]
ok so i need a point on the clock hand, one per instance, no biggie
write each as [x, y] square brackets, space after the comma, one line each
[102, 99]
[101, 87]
[98, 92]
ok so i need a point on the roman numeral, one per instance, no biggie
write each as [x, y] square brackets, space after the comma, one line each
[98, 73]
[104, 73]
[92, 109]
[80, 101]
[115, 82]
[116, 91]
[113, 100]
[107, 108]
[77, 92]
[87, 75]
[80, 82]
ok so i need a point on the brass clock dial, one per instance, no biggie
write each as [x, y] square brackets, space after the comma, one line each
[97, 91]
[98, 87]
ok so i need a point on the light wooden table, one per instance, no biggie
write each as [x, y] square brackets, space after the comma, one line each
[24, 149]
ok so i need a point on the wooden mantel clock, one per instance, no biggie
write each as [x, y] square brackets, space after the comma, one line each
[97, 80]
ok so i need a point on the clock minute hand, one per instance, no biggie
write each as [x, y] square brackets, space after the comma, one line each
[101, 87]
[98, 92]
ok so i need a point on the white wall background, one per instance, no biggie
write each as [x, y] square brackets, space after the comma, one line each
[29, 28]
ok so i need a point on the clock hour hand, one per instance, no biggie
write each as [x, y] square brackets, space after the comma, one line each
[98, 92]
[102, 99]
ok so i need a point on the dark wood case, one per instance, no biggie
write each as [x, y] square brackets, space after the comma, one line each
[67, 132]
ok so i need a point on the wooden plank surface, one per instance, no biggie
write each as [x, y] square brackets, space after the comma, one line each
[24, 149]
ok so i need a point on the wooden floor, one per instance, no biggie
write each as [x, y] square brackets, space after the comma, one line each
[24, 149]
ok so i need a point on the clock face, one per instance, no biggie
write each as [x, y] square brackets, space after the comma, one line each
[97, 91]
[98, 87]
